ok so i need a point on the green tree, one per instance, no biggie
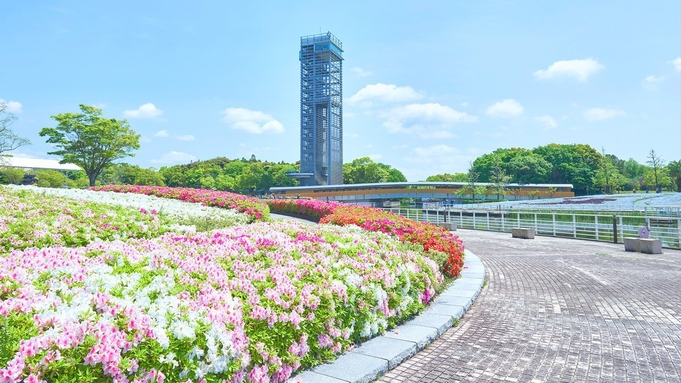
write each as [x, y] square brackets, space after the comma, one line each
[249, 179]
[607, 176]
[364, 171]
[657, 165]
[487, 163]
[446, 177]
[126, 174]
[91, 141]
[570, 163]
[9, 140]
[498, 177]
[473, 177]
[224, 182]
[12, 175]
[529, 169]
[533, 194]
[50, 178]
[633, 173]
[674, 171]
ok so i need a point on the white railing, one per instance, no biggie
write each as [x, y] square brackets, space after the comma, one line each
[599, 227]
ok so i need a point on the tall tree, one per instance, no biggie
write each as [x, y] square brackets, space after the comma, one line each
[674, 169]
[571, 163]
[529, 169]
[364, 170]
[473, 177]
[656, 163]
[9, 140]
[91, 141]
[498, 178]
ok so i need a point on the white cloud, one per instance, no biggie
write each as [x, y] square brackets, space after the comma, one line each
[251, 121]
[677, 64]
[383, 93]
[375, 157]
[506, 109]
[425, 120]
[464, 104]
[147, 110]
[186, 137]
[651, 81]
[430, 154]
[548, 121]
[361, 72]
[174, 158]
[579, 69]
[12, 106]
[161, 133]
[599, 114]
[439, 158]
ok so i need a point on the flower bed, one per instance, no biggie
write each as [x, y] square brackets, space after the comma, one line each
[441, 245]
[34, 220]
[257, 210]
[185, 216]
[252, 303]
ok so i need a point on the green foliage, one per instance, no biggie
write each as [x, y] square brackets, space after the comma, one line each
[230, 175]
[607, 177]
[91, 141]
[364, 171]
[529, 169]
[572, 163]
[674, 171]
[50, 178]
[125, 174]
[446, 177]
[11, 175]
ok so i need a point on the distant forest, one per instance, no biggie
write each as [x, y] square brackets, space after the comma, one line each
[588, 170]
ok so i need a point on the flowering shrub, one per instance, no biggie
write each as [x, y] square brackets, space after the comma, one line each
[258, 211]
[35, 220]
[435, 240]
[310, 208]
[249, 303]
[184, 215]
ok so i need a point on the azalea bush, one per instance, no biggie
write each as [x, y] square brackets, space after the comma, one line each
[249, 303]
[31, 219]
[184, 216]
[443, 246]
[256, 209]
[312, 209]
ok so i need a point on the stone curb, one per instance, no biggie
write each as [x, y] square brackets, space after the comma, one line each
[378, 355]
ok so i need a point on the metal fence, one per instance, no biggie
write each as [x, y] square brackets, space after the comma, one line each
[599, 227]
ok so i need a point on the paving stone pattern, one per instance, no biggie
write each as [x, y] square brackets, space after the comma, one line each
[560, 310]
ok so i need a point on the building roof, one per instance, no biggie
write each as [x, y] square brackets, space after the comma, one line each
[36, 163]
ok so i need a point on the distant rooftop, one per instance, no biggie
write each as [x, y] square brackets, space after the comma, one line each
[36, 163]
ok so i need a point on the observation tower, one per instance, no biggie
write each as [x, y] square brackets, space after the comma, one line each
[321, 110]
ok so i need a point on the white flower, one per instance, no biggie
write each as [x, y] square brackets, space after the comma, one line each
[182, 330]
[161, 337]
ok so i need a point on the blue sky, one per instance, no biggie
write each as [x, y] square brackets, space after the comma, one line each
[428, 85]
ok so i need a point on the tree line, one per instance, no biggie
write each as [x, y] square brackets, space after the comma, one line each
[588, 170]
[95, 143]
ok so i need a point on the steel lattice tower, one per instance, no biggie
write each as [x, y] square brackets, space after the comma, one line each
[321, 109]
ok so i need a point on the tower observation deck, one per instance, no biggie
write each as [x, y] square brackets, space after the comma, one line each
[321, 110]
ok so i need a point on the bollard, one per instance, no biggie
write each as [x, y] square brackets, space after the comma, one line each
[614, 228]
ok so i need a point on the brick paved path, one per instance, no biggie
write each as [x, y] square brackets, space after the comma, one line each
[560, 310]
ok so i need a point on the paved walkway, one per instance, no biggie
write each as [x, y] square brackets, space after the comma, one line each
[560, 310]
